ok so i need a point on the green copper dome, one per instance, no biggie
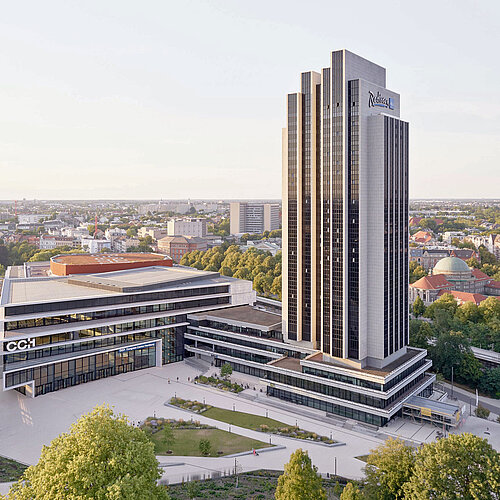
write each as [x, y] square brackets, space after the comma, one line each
[452, 265]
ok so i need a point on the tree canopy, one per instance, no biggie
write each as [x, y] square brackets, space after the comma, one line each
[300, 479]
[460, 466]
[388, 468]
[258, 266]
[101, 457]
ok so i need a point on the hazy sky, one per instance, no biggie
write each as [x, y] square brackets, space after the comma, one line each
[174, 99]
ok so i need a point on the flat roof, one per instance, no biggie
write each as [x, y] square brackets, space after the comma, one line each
[244, 314]
[29, 290]
[433, 405]
[380, 372]
[288, 364]
[106, 258]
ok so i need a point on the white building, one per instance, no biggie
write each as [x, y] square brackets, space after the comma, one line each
[187, 227]
[49, 242]
[254, 218]
[95, 246]
[31, 218]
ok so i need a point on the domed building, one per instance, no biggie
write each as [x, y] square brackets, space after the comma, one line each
[454, 269]
[453, 275]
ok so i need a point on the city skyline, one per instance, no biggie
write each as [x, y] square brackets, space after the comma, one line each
[139, 101]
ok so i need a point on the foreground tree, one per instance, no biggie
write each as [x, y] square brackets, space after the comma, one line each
[101, 457]
[389, 467]
[300, 480]
[226, 370]
[460, 466]
[351, 492]
[418, 307]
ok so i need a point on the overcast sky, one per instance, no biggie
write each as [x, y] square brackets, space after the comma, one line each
[175, 99]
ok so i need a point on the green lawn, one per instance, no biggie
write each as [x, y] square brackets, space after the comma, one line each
[363, 458]
[246, 420]
[10, 470]
[187, 442]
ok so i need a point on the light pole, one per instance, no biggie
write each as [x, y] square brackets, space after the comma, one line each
[452, 381]
[267, 413]
[335, 465]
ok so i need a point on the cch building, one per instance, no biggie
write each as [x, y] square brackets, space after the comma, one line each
[60, 331]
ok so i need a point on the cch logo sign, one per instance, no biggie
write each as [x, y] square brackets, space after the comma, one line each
[19, 345]
[378, 100]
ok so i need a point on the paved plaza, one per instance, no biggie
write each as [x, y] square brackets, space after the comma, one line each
[27, 424]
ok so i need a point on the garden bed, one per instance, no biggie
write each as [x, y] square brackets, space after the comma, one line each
[259, 484]
[219, 383]
[10, 470]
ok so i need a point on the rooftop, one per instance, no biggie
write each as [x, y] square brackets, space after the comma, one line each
[433, 282]
[106, 258]
[28, 290]
[379, 372]
[244, 314]
[451, 265]
[435, 406]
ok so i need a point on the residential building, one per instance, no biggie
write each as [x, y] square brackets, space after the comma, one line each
[48, 242]
[254, 218]
[155, 232]
[75, 232]
[187, 227]
[422, 237]
[177, 246]
[97, 245]
[61, 331]
[124, 244]
[268, 246]
[26, 219]
[429, 257]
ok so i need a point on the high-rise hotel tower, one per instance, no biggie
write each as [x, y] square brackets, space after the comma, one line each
[345, 212]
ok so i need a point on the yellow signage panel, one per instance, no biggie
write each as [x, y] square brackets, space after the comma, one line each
[426, 412]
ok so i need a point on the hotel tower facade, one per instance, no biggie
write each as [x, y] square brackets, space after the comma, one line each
[345, 207]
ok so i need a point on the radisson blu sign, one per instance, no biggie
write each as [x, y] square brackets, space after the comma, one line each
[378, 100]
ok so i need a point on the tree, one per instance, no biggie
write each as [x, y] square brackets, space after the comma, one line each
[469, 371]
[205, 447]
[490, 308]
[482, 412]
[490, 382]
[300, 479]
[418, 307]
[446, 302]
[468, 312]
[167, 435]
[388, 468]
[416, 271]
[101, 457]
[226, 370]
[460, 466]
[420, 338]
[131, 232]
[448, 351]
[351, 492]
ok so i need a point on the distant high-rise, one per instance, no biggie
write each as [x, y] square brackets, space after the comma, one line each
[246, 217]
[345, 213]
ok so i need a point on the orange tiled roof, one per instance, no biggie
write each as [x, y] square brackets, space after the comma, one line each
[479, 275]
[477, 298]
[434, 282]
